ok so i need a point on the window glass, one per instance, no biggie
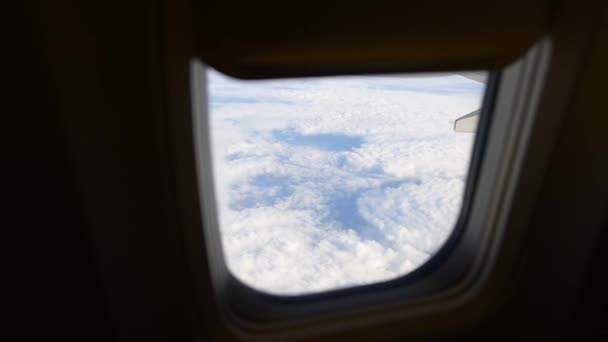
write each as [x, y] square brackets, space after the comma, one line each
[326, 183]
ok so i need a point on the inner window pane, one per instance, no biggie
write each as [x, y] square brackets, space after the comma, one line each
[326, 183]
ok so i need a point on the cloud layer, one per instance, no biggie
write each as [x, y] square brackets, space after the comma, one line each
[336, 182]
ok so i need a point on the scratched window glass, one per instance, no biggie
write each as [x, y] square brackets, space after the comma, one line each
[328, 183]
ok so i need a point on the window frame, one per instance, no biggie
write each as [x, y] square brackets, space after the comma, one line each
[505, 126]
[248, 313]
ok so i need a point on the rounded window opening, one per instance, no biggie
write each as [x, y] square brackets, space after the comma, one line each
[334, 182]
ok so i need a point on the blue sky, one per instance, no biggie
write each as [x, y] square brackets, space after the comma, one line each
[336, 182]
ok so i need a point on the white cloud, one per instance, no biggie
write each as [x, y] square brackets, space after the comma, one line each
[329, 183]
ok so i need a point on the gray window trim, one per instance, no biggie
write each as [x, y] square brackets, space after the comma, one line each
[495, 171]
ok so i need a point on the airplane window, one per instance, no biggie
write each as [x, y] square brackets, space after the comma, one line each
[327, 183]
